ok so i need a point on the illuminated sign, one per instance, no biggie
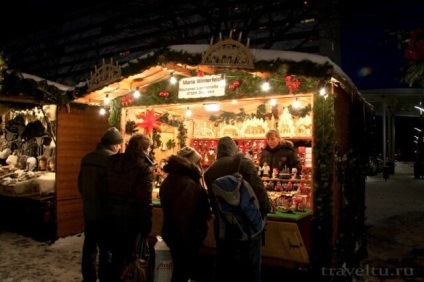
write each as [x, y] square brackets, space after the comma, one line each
[201, 87]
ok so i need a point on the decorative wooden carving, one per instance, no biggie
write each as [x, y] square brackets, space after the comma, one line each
[229, 53]
[254, 127]
[204, 132]
[106, 74]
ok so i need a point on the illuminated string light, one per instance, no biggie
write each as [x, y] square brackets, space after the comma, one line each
[136, 93]
[106, 101]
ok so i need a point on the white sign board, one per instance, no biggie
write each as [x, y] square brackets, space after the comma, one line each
[201, 87]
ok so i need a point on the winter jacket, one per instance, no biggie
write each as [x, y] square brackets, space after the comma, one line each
[92, 170]
[225, 164]
[185, 204]
[281, 156]
[126, 197]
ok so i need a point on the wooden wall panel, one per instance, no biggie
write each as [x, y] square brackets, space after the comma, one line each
[78, 132]
[69, 215]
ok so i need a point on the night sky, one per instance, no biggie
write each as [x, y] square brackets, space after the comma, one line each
[372, 55]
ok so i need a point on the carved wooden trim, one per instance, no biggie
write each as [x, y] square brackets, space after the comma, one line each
[229, 53]
[106, 74]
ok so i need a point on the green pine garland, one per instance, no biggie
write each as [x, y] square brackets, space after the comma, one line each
[323, 150]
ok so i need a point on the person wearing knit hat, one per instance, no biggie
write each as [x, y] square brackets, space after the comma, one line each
[186, 212]
[227, 247]
[190, 154]
[112, 136]
[92, 172]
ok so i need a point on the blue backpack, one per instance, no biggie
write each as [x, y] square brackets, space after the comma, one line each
[237, 207]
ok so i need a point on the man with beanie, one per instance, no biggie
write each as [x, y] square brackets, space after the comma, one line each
[92, 173]
[126, 203]
[186, 212]
[227, 248]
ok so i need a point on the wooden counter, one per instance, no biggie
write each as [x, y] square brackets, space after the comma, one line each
[287, 236]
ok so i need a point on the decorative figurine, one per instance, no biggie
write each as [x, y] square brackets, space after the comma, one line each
[278, 186]
[265, 170]
[274, 172]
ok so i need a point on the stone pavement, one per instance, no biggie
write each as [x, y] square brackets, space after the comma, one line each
[394, 215]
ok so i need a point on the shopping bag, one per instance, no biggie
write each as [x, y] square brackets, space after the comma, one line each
[137, 271]
[140, 270]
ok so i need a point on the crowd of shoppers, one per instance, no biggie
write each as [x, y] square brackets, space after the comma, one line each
[116, 189]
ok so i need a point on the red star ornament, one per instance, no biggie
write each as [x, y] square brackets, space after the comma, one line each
[149, 121]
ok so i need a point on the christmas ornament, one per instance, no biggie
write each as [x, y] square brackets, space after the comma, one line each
[150, 121]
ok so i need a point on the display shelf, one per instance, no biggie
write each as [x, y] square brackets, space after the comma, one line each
[287, 180]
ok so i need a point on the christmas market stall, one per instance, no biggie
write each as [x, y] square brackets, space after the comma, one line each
[195, 94]
[43, 139]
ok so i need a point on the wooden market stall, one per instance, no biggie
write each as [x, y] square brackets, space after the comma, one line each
[44, 205]
[310, 101]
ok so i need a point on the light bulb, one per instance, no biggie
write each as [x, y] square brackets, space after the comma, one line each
[173, 80]
[188, 112]
[296, 104]
[136, 93]
[106, 100]
[265, 85]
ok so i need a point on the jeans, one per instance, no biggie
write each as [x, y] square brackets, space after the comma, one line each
[119, 242]
[90, 249]
[246, 268]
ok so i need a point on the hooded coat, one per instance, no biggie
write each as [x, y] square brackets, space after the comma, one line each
[185, 205]
[225, 164]
[281, 156]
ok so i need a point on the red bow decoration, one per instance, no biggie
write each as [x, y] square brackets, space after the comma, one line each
[127, 100]
[200, 73]
[164, 94]
[233, 86]
[292, 84]
[150, 121]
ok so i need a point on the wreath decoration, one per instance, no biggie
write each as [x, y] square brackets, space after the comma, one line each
[299, 112]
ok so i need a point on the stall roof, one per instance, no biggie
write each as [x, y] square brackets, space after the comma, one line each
[23, 90]
[116, 81]
[155, 73]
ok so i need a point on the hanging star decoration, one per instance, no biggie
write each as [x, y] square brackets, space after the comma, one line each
[150, 121]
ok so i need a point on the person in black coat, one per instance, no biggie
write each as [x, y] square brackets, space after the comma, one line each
[126, 203]
[91, 174]
[279, 154]
[186, 212]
